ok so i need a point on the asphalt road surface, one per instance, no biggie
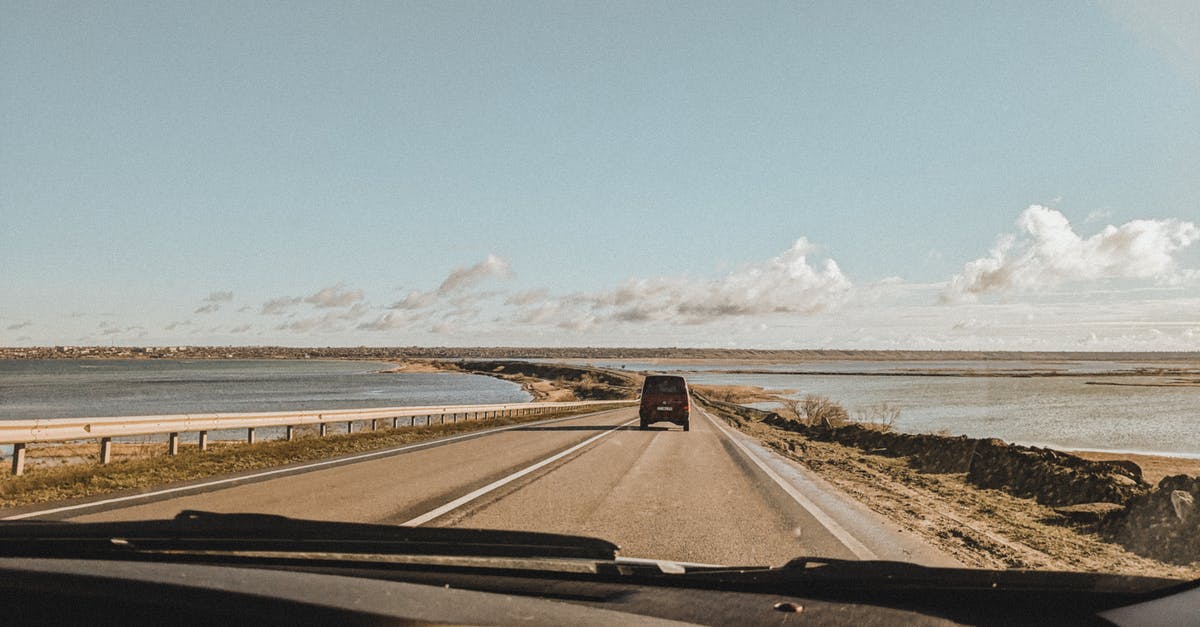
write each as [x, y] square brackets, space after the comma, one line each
[709, 495]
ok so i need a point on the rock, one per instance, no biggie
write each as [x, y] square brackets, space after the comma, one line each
[1183, 503]
[1089, 512]
[1131, 468]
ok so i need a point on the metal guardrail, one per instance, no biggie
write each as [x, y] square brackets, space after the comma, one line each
[21, 433]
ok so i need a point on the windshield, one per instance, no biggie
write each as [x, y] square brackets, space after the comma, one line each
[930, 275]
[663, 385]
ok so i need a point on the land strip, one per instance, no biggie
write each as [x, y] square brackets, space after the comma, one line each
[664, 355]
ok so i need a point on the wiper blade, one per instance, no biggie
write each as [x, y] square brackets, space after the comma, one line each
[194, 530]
[843, 574]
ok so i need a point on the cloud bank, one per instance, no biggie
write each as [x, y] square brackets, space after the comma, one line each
[787, 283]
[1048, 253]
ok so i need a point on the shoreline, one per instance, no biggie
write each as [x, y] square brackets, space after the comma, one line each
[1154, 467]
[389, 353]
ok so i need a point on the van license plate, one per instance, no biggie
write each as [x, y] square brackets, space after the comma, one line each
[665, 408]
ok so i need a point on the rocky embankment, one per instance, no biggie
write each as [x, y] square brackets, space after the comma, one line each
[1109, 497]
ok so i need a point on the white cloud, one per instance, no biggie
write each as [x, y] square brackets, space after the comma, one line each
[277, 306]
[492, 267]
[335, 296]
[527, 297]
[1170, 27]
[444, 328]
[213, 302]
[787, 283]
[1049, 253]
[452, 287]
[327, 322]
[388, 322]
[415, 299]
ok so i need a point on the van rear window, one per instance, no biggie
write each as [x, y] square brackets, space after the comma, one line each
[664, 385]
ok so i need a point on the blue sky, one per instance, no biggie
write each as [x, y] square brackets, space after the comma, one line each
[880, 175]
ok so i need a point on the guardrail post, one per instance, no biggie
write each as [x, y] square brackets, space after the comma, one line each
[324, 428]
[374, 424]
[173, 444]
[349, 426]
[204, 440]
[18, 460]
[395, 422]
[250, 435]
[290, 433]
[105, 450]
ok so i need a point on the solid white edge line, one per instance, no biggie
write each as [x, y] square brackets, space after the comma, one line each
[859, 549]
[279, 471]
[471, 496]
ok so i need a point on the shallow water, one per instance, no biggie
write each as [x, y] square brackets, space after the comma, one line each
[70, 388]
[1071, 412]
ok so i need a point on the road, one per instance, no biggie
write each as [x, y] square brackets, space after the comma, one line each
[709, 495]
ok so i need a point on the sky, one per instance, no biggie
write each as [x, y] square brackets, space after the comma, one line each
[868, 175]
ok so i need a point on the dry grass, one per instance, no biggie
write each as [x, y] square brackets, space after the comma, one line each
[816, 410]
[61, 482]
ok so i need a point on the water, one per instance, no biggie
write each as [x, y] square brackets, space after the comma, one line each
[1062, 412]
[70, 388]
[1069, 412]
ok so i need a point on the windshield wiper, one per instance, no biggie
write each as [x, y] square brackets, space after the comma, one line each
[207, 531]
[813, 573]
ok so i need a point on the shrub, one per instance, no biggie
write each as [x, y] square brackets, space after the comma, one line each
[881, 417]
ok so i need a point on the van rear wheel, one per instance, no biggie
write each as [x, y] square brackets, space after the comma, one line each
[687, 426]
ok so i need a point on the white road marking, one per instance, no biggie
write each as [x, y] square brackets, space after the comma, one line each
[849, 541]
[471, 496]
[279, 471]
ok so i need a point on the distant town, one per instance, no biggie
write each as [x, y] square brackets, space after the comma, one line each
[512, 352]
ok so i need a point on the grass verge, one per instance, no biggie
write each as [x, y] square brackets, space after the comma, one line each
[60, 483]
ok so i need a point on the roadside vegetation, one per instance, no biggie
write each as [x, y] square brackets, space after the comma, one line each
[814, 410]
[742, 394]
[993, 527]
[48, 483]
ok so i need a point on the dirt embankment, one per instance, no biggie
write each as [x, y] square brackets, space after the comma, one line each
[555, 382]
[993, 504]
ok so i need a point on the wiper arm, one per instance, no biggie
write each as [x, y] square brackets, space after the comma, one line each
[208, 531]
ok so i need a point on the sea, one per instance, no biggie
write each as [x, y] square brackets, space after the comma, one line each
[61, 388]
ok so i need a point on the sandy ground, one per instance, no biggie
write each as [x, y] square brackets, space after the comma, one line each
[1154, 467]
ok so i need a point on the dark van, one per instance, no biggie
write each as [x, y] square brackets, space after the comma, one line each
[664, 398]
